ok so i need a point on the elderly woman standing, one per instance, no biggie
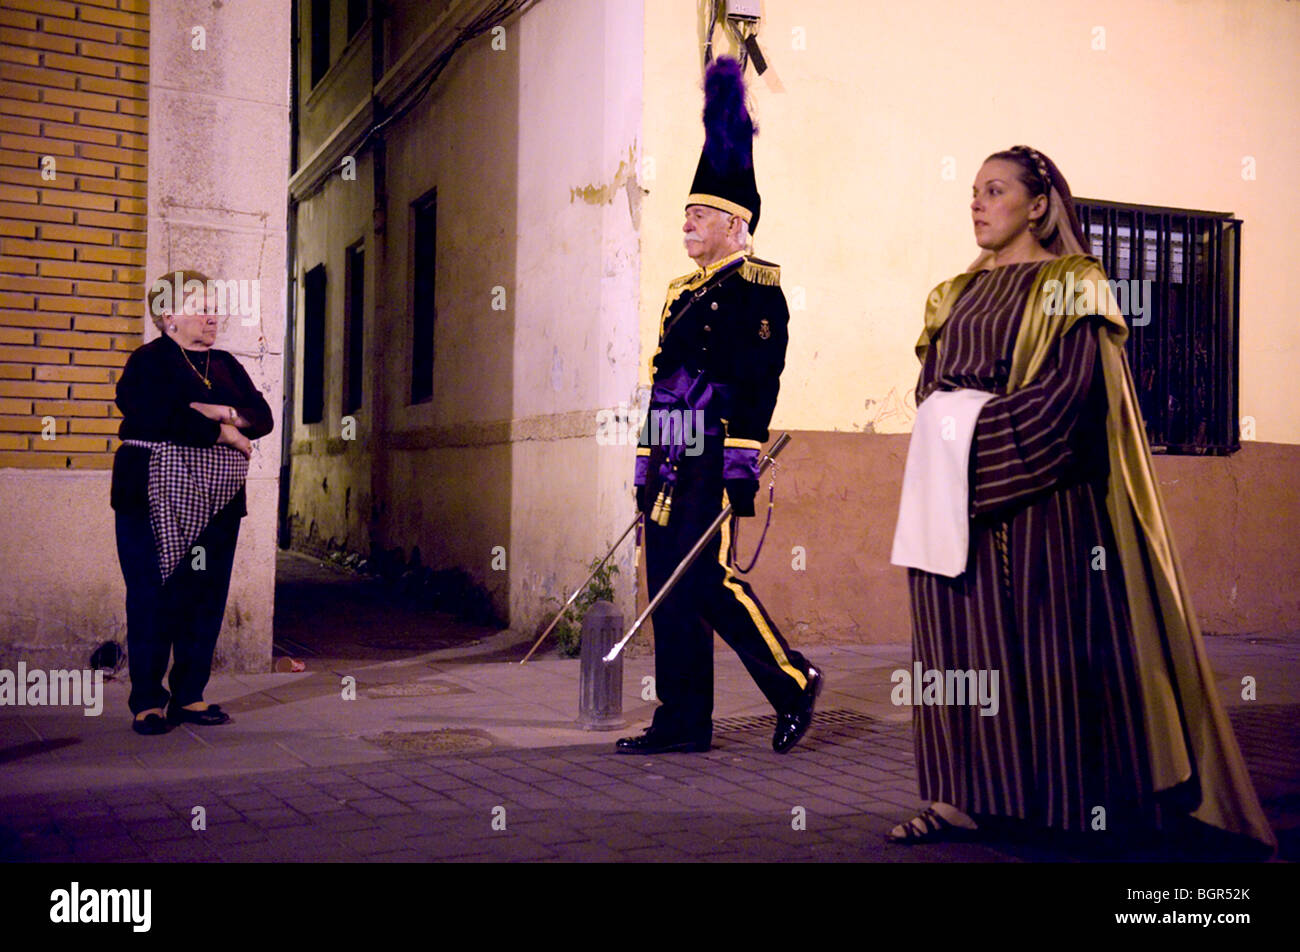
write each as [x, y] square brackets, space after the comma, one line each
[189, 414]
[1038, 548]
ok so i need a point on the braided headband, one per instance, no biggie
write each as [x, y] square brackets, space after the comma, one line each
[1038, 164]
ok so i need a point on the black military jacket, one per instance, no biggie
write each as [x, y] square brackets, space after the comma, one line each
[729, 322]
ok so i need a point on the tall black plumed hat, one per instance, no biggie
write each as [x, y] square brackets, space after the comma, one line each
[724, 179]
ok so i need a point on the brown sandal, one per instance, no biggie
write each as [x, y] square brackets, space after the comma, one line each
[929, 826]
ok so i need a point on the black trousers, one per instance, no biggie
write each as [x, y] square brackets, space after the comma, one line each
[709, 598]
[181, 619]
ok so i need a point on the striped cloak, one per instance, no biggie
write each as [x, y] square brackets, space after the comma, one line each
[1073, 590]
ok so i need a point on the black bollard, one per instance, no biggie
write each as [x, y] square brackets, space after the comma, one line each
[600, 703]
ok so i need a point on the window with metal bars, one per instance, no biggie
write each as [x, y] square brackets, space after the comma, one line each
[1175, 273]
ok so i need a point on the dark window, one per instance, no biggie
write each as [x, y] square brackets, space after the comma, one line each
[313, 346]
[423, 312]
[357, 11]
[1183, 346]
[354, 327]
[320, 39]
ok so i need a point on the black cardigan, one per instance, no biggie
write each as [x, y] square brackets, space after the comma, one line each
[154, 395]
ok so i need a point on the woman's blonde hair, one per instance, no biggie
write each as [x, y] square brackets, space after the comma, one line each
[1058, 230]
[172, 286]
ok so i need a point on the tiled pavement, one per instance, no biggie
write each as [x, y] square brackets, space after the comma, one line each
[299, 777]
[829, 800]
[740, 801]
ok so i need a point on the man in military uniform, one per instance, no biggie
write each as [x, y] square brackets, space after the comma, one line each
[722, 341]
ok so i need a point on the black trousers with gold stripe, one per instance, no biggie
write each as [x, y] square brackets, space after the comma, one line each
[710, 597]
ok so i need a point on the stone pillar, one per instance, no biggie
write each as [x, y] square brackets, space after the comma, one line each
[218, 168]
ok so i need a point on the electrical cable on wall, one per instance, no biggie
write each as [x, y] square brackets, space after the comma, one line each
[737, 29]
[749, 43]
[494, 16]
[742, 23]
[708, 31]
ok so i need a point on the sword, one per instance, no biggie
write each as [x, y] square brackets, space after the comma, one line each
[580, 589]
[692, 555]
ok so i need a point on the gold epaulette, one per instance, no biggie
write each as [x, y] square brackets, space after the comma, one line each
[758, 271]
[676, 284]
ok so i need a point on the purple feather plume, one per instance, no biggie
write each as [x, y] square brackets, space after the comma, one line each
[728, 129]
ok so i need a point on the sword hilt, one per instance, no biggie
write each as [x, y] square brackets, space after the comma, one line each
[769, 459]
[770, 456]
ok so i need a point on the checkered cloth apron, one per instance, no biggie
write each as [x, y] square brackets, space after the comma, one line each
[188, 485]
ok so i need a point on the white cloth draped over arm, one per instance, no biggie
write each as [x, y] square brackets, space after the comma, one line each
[933, 531]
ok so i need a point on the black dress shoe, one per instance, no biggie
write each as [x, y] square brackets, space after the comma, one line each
[790, 726]
[211, 716]
[659, 742]
[150, 724]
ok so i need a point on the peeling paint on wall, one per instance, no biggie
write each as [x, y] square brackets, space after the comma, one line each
[624, 177]
[634, 195]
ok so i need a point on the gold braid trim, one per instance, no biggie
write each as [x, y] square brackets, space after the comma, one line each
[676, 284]
[761, 272]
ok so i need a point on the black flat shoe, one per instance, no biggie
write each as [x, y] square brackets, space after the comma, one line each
[150, 725]
[658, 742]
[210, 717]
[792, 725]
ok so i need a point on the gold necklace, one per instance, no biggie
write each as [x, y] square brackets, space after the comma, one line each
[206, 367]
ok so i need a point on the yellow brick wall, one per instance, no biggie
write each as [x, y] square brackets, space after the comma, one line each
[73, 87]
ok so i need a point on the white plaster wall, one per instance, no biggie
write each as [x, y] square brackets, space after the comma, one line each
[451, 496]
[459, 140]
[577, 285]
[866, 99]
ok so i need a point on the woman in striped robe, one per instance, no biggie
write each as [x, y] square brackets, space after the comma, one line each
[1107, 717]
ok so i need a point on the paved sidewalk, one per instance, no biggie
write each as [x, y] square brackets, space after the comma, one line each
[446, 755]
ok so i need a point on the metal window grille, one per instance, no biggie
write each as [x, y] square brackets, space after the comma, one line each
[1183, 345]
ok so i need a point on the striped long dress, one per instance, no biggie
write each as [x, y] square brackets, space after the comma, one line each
[1038, 601]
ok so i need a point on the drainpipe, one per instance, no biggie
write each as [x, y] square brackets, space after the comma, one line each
[290, 297]
[379, 324]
